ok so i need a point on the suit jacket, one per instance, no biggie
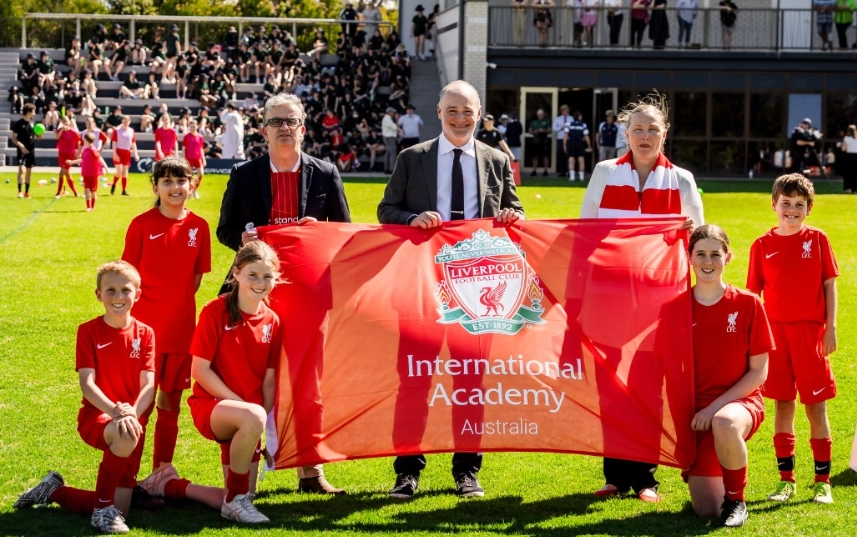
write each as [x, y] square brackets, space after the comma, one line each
[248, 196]
[412, 188]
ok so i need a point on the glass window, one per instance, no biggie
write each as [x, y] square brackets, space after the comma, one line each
[727, 116]
[728, 158]
[691, 155]
[841, 111]
[501, 101]
[689, 110]
[767, 115]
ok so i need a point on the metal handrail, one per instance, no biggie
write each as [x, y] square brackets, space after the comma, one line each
[755, 29]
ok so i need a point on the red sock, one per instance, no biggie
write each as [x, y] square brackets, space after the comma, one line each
[92, 202]
[224, 452]
[821, 448]
[166, 433]
[59, 185]
[176, 489]
[734, 482]
[109, 474]
[115, 180]
[236, 484]
[124, 182]
[74, 500]
[784, 447]
[70, 184]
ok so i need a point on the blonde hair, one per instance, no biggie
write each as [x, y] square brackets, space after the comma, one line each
[118, 267]
[654, 104]
[252, 252]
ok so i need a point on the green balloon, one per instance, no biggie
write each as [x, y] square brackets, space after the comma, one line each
[38, 129]
[700, 191]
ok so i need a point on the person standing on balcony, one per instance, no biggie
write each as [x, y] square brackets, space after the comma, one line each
[824, 21]
[639, 20]
[614, 19]
[419, 27]
[542, 19]
[844, 17]
[728, 16]
[588, 19]
[519, 21]
[659, 26]
[686, 14]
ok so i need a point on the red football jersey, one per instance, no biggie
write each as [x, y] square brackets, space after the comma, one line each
[167, 139]
[239, 354]
[284, 197]
[789, 273]
[168, 254]
[117, 355]
[193, 146]
[124, 138]
[90, 163]
[68, 142]
[725, 335]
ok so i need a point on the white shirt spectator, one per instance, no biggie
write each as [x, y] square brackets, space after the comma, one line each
[410, 124]
[388, 127]
[687, 9]
[372, 16]
[445, 157]
[560, 123]
[233, 134]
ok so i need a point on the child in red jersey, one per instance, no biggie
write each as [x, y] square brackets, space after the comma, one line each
[731, 341]
[92, 166]
[115, 361]
[194, 145]
[68, 140]
[166, 138]
[124, 144]
[236, 349]
[792, 266]
[171, 247]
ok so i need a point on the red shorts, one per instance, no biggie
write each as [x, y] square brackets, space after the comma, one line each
[797, 366]
[162, 156]
[200, 410]
[90, 183]
[63, 158]
[706, 463]
[172, 371]
[122, 156]
[91, 423]
[195, 163]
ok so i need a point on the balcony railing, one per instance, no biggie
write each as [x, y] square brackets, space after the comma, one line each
[754, 29]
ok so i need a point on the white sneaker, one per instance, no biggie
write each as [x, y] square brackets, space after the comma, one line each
[241, 509]
[580, 177]
[571, 176]
[157, 480]
[109, 520]
[41, 493]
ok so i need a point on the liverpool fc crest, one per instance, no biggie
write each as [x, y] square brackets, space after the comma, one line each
[488, 280]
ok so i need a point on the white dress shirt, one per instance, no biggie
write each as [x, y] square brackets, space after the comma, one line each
[388, 127]
[560, 123]
[445, 157]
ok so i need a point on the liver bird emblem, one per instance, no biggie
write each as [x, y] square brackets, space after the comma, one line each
[490, 298]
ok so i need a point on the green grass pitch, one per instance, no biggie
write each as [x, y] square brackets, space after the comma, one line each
[49, 250]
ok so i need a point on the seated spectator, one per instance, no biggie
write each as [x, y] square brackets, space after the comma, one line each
[87, 105]
[205, 96]
[248, 38]
[271, 87]
[157, 60]
[52, 117]
[87, 85]
[120, 58]
[139, 54]
[320, 44]
[112, 121]
[259, 59]
[45, 67]
[346, 159]
[96, 60]
[182, 71]
[393, 40]
[131, 88]
[230, 41]
[73, 97]
[375, 145]
[72, 54]
[29, 73]
[330, 121]
[151, 89]
[147, 119]
[37, 99]
[244, 61]
[16, 100]
[115, 40]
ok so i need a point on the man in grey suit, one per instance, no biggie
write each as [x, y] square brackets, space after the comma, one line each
[452, 177]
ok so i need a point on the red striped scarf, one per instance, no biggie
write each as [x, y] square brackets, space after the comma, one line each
[622, 198]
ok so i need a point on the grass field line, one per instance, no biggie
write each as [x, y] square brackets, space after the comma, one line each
[29, 221]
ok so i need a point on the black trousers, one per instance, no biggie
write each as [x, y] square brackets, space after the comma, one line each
[638, 28]
[626, 475]
[841, 28]
[615, 23]
[461, 463]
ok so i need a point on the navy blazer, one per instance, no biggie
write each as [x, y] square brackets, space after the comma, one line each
[248, 196]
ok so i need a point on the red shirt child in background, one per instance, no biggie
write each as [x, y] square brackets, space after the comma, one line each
[115, 364]
[92, 166]
[68, 140]
[194, 151]
[166, 138]
[171, 247]
[792, 266]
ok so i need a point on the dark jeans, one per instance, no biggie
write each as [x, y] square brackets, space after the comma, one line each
[684, 31]
[408, 142]
[461, 463]
[638, 28]
[561, 158]
[615, 24]
[626, 475]
[841, 28]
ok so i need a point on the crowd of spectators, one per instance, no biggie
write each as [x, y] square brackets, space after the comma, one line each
[346, 88]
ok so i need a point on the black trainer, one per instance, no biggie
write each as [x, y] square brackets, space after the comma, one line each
[733, 513]
[406, 486]
[125, 193]
[468, 485]
[112, 189]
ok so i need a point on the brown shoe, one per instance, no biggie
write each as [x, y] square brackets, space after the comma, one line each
[318, 485]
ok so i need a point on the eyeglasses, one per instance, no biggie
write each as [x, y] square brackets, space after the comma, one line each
[278, 122]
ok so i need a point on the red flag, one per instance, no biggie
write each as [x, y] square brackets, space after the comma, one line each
[566, 336]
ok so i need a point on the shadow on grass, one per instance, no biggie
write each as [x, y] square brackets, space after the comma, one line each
[845, 478]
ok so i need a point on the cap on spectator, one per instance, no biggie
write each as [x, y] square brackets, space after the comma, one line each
[420, 8]
[174, 27]
[609, 113]
[96, 110]
[277, 42]
[203, 109]
[117, 108]
[489, 117]
[564, 107]
[138, 42]
[117, 26]
[75, 38]
[807, 121]
[275, 27]
[30, 56]
[193, 43]
[230, 106]
[132, 72]
[390, 109]
[44, 53]
[503, 116]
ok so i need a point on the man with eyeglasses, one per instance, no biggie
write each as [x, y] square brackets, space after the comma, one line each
[284, 186]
